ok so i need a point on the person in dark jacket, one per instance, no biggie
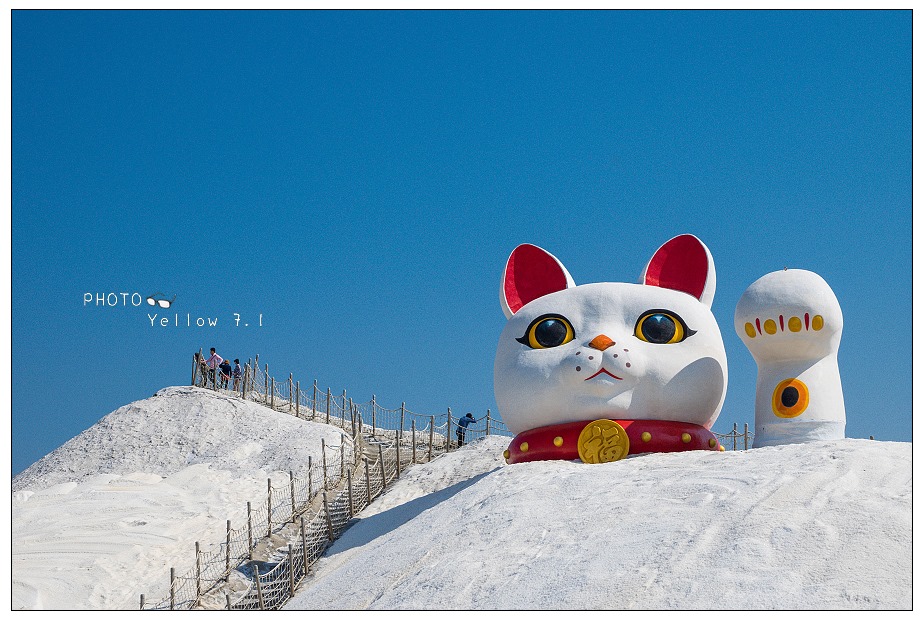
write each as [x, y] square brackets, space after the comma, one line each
[463, 424]
[237, 373]
[225, 368]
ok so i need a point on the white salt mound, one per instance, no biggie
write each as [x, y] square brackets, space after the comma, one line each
[824, 525]
[101, 520]
[176, 428]
[814, 526]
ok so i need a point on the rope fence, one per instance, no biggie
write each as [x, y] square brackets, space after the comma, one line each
[735, 440]
[260, 564]
[317, 405]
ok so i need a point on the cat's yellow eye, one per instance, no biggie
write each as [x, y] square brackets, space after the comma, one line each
[661, 327]
[549, 330]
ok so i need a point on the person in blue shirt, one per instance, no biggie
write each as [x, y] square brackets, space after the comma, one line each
[463, 424]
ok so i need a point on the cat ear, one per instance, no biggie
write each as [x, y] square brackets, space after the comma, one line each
[531, 272]
[683, 264]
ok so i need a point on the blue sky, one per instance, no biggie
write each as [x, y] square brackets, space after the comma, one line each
[359, 179]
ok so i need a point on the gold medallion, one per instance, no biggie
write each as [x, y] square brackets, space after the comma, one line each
[603, 441]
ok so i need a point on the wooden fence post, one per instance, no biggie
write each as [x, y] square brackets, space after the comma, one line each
[413, 442]
[368, 483]
[309, 478]
[343, 411]
[272, 392]
[228, 602]
[292, 492]
[430, 449]
[745, 435]
[198, 573]
[401, 433]
[342, 455]
[249, 532]
[350, 491]
[269, 507]
[448, 424]
[327, 416]
[291, 573]
[256, 578]
[352, 418]
[244, 382]
[735, 436]
[142, 603]
[397, 459]
[172, 588]
[228, 550]
[373, 416]
[304, 546]
[324, 462]
[290, 391]
[382, 465]
[298, 397]
[330, 525]
[487, 425]
[314, 400]
[192, 381]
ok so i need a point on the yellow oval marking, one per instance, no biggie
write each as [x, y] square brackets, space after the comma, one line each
[797, 408]
[818, 322]
[749, 330]
[770, 326]
[795, 324]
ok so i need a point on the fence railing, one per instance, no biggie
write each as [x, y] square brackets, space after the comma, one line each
[246, 569]
[218, 570]
[259, 565]
[312, 403]
[735, 440]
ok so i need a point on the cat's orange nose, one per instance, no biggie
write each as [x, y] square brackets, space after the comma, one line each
[602, 342]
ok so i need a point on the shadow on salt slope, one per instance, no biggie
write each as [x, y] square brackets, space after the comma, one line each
[362, 531]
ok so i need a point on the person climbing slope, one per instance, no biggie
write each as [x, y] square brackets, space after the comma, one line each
[463, 424]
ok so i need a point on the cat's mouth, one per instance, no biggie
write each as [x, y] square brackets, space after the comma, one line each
[603, 371]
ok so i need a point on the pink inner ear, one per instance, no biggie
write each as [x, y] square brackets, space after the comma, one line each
[680, 264]
[531, 273]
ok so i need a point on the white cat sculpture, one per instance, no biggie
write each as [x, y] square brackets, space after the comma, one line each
[791, 323]
[603, 370]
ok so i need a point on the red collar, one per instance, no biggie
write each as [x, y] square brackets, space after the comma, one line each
[601, 441]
